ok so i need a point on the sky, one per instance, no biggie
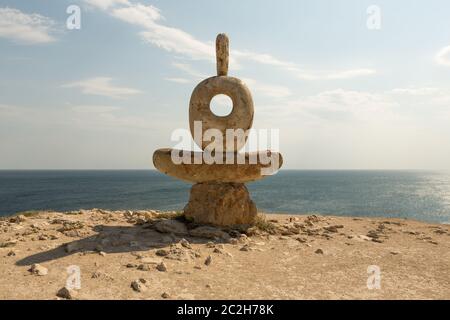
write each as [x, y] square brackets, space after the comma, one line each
[348, 85]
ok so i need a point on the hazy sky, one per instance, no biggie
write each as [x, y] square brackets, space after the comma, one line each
[342, 95]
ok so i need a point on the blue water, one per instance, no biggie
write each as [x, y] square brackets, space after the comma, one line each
[416, 195]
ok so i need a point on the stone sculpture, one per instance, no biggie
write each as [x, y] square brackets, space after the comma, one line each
[219, 196]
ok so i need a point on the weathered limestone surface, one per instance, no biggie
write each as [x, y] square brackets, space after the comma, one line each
[221, 204]
[241, 117]
[215, 172]
[219, 196]
[222, 54]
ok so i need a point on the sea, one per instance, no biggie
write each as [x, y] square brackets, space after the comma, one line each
[419, 195]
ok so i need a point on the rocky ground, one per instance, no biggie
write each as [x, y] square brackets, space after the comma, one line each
[160, 255]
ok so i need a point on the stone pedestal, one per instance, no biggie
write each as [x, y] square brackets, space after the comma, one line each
[221, 204]
[219, 171]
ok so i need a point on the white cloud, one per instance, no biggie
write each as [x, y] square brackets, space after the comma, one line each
[443, 56]
[336, 105]
[25, 28]
[416, 91]
[187, 68]
[178, 80]
[180, 42]
[94, 109]
[332, 75]
[269, 90]
[263, 58]
[105, 4]
[101, 86]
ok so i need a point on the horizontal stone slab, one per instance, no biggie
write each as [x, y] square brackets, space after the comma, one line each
[196, 167]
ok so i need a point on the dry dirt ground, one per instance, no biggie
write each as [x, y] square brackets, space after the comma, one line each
[159, 255]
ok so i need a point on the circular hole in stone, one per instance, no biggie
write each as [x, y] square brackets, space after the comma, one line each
[221, 105]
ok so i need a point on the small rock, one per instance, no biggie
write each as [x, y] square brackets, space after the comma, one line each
[197, 267]
[243, 238]
[8, 244]
[171, 226]
[131, 265]
[209, 233]
[139, 285]
[210, 244]
[185, 243]
[162, 252]
[150, 260]
[319, 251]
[208, 260]
[161, 267]
[102, 253]
[165, 295]
[72, 247]
[246, 247]
[18, 219]
[144, 267]
[11, 254]
[39, 270]
[66, 293]
[363, 237]
[331, 229]
[394, 253]
[208, 286]
[300, 239]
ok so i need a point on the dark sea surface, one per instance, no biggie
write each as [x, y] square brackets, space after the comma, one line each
[408, 194]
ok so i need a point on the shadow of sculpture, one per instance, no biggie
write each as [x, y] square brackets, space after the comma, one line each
[112, 239]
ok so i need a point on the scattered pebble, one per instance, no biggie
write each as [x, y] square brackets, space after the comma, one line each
[72, 247]
[144, 267]
[161, 267]
[208, 260]
[165, 295]
[185, 243]
[162, 252]
[38, 270]
[66, 293]
[319, 251]
[139, 285]
[8, 244]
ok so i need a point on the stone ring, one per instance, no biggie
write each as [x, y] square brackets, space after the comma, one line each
[241, 116]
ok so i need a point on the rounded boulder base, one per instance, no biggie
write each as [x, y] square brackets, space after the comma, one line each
[221, 204]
